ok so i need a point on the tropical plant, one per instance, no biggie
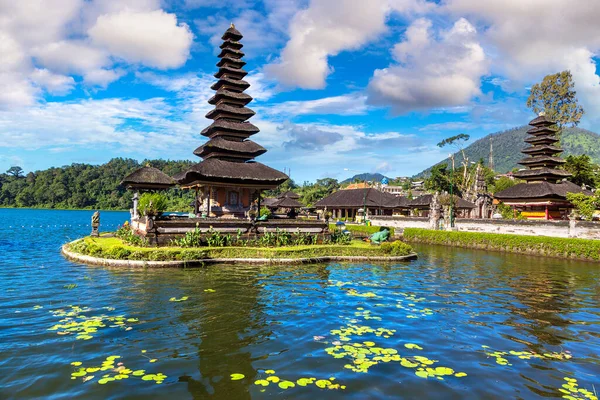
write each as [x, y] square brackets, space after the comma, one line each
[152, 204]
[557, 98]
[585, 205]
[583, 171]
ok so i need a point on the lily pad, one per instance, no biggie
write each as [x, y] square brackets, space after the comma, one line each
[237, 377]
[286, 385]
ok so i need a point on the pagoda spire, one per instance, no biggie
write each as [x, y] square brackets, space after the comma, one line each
[229, 154]
[542, 161]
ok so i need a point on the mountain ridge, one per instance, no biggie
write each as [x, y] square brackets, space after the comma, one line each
[508, 144]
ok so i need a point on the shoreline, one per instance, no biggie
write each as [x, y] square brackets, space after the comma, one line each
[90, 260]
[545, 246]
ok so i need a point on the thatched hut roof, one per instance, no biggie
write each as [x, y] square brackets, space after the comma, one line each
[426, 200]
[215, 170]
[246, 149]
[540, 190]
[355, 198]
[287, 202]
[148, 178]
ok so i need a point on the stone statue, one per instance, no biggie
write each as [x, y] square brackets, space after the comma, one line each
[95, 223]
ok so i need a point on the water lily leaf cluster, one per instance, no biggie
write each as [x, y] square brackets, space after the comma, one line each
[303, 382]
[502, 356]
[175, 299]
[572, 391]
[112, 370]
[75, 321]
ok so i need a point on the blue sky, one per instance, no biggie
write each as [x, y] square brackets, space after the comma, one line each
[364, 85]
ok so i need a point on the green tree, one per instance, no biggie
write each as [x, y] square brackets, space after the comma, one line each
[585, 205]
[15, 171]
[439, 179]
[458, 141]
[556, 97]
[584, 171]
[503, 183]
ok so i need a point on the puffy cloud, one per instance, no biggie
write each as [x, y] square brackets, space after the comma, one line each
[309, 138]
[349, 104]
[52, 36]
[153, 38]
[530, 39]
[433, 72]
[53, 83]
[325, 29]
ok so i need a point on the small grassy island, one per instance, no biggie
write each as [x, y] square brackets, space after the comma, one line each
[108, 249]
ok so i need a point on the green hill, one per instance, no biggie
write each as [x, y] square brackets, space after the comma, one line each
[365, 176]
[508, 145]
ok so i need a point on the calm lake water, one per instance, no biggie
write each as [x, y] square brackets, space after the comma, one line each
[286, 323]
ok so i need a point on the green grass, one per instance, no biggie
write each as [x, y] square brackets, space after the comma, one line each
[584, 249]
[115, 248]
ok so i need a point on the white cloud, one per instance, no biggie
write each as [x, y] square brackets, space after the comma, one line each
[327, 28]
[530, 39]
[153, 38]
[53, 83]
[348, 104]
[43, 41]
[433, 71]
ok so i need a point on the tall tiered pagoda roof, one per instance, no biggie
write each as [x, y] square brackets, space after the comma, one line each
[542, 159]
[228, 156]
[544, 179]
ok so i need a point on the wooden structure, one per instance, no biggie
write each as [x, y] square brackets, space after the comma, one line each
[350, 203]
[228, 178]
[143, 180]
[543, 196]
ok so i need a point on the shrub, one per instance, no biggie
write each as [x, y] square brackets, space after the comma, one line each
[396, 248]
[265, 211]
[152, 204]
[369, 230]
[543, 245]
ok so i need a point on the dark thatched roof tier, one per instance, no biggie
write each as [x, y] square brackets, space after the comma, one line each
[355, 198]
[287, 202]
[541, 120]
[227, 157]
[543, 149]
[289, 194]
[226, 95]
[545, 139]
[246, 149]
[543, 130]
[237, 72]
[542, 160]
[231, 53]
[540, 190]
[268, 201]
[147, 178]
[542, 173]
[216, 170]
[226, 111]
[232, 127]
[426, 200]
[232, 34]
[231, 84]
[232, 44]
[231, 61]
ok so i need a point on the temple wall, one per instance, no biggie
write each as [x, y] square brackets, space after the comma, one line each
[564, 229]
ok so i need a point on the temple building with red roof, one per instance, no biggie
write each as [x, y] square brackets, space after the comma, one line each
[544, 193]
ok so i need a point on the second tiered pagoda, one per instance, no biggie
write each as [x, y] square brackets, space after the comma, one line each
[228, 177]
[543, 196]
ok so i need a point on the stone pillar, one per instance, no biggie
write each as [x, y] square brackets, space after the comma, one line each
[136, 198]
[434, 212]
[208, 201]
[572, 227]
[196, 205]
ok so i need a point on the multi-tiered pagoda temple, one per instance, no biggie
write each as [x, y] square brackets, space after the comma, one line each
[228, 177]
[543, 196]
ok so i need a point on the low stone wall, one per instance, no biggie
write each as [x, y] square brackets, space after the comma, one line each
[564, 229]
[161, 231]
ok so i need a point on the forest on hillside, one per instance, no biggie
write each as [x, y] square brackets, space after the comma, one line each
[84, 186]
[508, 144]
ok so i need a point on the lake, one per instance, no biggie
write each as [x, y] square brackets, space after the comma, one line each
[517, 326]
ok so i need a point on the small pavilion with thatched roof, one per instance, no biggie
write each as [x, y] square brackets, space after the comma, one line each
[146, 179]
[352, 203]
[544, 195]
[228, 178]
